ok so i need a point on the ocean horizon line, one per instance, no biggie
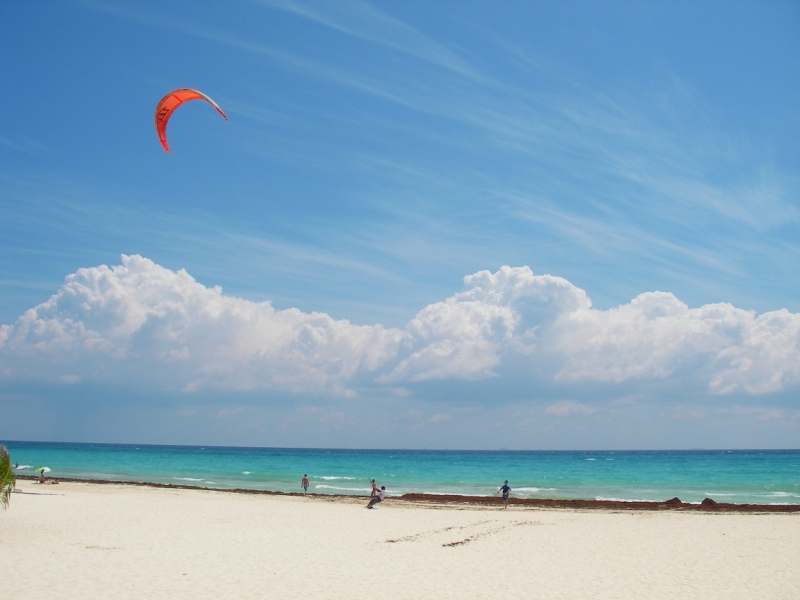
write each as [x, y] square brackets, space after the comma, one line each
[400, 449]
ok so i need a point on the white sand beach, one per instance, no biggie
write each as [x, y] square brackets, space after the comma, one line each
[87, 541]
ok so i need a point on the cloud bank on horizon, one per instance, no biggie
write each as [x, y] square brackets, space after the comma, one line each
[140, 322]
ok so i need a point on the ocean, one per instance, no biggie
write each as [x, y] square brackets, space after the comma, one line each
[737, 476]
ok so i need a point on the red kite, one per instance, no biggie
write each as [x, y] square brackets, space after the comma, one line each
[172, 101]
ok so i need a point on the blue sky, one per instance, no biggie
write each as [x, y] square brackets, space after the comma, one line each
[376, 155]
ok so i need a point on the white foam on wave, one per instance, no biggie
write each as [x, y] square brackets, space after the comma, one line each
[322, 486]
[187, 479]
[246, 472]
[400, 493]
[533, 489]
[333, 477]
[591, 459]
[622, 499]
[19, 468]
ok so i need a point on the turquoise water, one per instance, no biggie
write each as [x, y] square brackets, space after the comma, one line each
[739, 476]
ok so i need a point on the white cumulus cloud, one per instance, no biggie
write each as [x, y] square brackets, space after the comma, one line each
[656, 336]
[141, 322]
[467, 335]
[144, 321]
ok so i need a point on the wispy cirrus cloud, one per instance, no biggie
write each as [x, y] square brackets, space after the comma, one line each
[365, 21]
[653, 151]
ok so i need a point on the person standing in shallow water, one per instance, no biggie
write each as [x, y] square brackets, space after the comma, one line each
[504, 491]
[304, 483]
[374, 491]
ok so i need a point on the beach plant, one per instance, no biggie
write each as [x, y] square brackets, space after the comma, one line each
[7, 478]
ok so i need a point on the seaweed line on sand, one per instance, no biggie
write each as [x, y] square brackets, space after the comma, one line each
[457, 501]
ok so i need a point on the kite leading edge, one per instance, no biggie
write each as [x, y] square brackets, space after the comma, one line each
[170, 102]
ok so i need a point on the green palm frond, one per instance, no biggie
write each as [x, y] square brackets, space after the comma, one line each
[7, 478]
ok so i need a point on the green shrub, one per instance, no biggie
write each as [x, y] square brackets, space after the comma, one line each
[7, 478]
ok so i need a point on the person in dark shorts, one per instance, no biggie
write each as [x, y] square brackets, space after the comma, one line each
[504, 491]
[304, 484]
[379, 498]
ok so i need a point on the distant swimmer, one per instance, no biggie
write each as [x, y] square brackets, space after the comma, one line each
[304, 483]
[379, 498]
[504, 490]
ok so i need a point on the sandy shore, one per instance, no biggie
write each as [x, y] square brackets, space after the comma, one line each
[80, 540]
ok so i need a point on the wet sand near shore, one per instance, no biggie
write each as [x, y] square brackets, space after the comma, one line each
[79, 540]
[454, 501]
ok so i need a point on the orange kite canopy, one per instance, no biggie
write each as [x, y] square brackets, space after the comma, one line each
[172, 101]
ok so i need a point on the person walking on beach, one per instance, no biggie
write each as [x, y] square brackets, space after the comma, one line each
[504, 490]
[304, 483]
[379, 498]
